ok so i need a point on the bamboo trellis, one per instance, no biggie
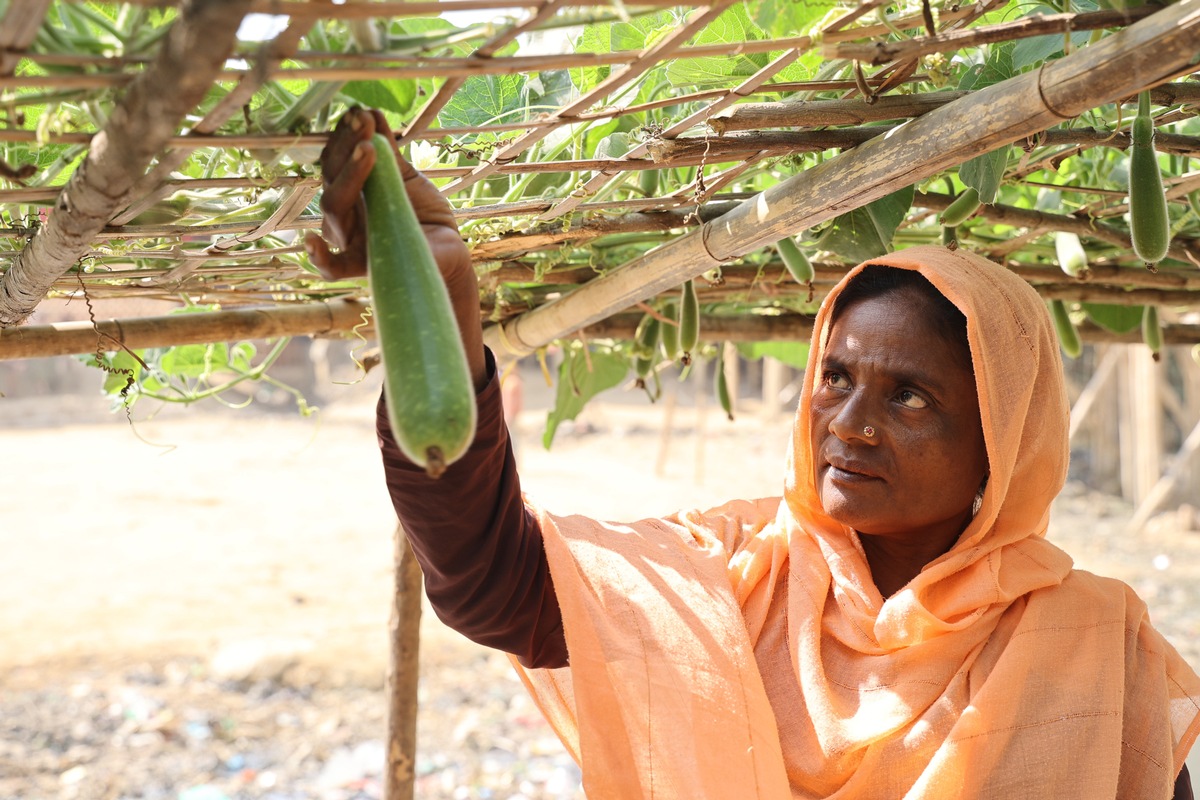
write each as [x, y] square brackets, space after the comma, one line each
[737, 139]
[121, 210]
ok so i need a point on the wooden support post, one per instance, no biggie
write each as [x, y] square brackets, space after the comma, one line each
[1141, 426]
[774, 373]
[403, 672]
[1162, 488]
[1095, 384]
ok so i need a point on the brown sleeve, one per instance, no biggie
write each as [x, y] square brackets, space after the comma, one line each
[478, 545]
[1183, 786]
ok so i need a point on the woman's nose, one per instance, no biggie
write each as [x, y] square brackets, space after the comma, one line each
[853, 420]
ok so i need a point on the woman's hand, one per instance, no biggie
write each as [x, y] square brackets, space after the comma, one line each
[346, 162]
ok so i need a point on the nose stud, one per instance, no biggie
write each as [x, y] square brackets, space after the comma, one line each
[869, 432]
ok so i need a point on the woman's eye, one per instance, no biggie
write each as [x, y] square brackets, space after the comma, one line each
[836, 380]
[911, 399]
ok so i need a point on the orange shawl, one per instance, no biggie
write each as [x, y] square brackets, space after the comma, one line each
[745, 651]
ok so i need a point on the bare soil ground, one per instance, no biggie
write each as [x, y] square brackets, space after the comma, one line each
[196, 607]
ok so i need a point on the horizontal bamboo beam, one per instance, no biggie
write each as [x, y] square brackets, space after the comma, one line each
[341, 317]
[948, 42]
[857, 111]
[1145, 54]
[167, 330]
[1181, 249]
[798, 328]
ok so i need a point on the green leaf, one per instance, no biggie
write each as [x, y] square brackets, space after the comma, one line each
[123, 366]
[794, 354]
[1118, 319]
[985, 172]
[389, 94]
[241, 356]
[485, 99]
[614, 145]
[195, 360]
[784, 18]
[734, 25]
[631, 35]
[867, 232]
[1036, 49]
[577, 383]
[996, 68]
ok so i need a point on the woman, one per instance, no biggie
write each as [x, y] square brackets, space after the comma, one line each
[896, 625]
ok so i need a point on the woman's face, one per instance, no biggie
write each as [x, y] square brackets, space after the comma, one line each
[887, 366]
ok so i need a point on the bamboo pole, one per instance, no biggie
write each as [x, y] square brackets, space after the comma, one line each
[345, 318]
[67, 338]
[1095, 385]
[148, 114]
[1162, 488]
[403, 673]
[813, 113]
[1032, 25]
[1142, 55]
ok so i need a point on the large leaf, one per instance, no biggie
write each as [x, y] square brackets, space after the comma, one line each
[485, 99]
[794, 354]
[1036, 49]
[985, 172]
[580, 378]
[631, 35]
[734, 25]
[997, 67]
[389, 94]
[195, 360]
[784, 18]
[867, 232]
[1118, 319]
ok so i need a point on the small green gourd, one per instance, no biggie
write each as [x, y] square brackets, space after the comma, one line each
[1149, 226]
[689, 321]
[1068, 336]
[963, 207]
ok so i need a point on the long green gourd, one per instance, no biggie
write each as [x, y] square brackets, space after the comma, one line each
[430, 397]
[1149, 226]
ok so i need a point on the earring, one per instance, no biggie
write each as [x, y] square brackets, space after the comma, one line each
[977, 503]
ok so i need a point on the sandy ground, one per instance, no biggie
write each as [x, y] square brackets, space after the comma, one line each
[216, 583]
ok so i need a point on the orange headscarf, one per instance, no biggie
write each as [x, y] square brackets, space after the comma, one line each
[745, 651]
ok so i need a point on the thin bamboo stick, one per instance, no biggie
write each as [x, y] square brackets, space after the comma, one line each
[1033, 25]
[815, 113]
[702, 115]
[270, 56]
[1117, 66]
[663, 48]
[483, 55]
